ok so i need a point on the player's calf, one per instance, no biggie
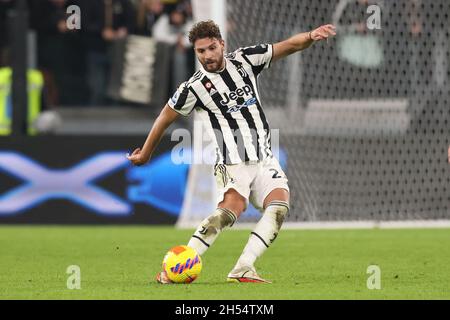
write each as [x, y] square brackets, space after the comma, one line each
[210, 228]
[264, 234]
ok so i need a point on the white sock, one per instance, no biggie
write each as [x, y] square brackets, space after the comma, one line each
[210, 228]
[264, 233]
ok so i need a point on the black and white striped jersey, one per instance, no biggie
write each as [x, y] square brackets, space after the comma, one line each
[229, 104]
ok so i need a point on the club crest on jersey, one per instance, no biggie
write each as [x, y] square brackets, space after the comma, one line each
[242, 71]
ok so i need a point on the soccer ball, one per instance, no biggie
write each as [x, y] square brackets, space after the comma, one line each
[182, 264]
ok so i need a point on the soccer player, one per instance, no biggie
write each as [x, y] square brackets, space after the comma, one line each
[225, 93]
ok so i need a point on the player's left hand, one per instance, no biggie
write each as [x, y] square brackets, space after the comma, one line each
[137, 157]
[323, 32]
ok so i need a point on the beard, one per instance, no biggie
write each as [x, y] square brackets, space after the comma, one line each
[213, 65]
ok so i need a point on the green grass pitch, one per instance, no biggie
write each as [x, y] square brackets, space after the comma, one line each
[121, 263]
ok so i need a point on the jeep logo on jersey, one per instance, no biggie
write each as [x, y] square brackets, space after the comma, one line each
[239, 93]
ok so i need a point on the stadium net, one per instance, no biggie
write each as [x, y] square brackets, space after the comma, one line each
[363, 118]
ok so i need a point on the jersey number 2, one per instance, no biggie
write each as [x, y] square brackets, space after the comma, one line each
[275, 174]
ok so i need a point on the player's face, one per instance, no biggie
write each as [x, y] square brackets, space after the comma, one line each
[209, 52]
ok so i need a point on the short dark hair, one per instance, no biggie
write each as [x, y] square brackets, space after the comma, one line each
[204, 29]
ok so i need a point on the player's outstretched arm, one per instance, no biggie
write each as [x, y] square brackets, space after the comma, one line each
[302, 41]
[164, 120]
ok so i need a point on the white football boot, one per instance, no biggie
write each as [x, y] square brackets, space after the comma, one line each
[245, 274]
[162, 278]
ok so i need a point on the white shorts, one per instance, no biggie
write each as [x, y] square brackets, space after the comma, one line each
[253, 180]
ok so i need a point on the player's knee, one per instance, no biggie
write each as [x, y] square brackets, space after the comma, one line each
[279, 194]
[279, 209]
[234, 202]
[236, 208]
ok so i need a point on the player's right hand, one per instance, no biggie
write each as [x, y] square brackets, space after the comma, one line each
[323, 32]
[137, 157]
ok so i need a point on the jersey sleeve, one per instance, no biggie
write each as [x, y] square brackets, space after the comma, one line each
[183, 101]
[259, 56]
